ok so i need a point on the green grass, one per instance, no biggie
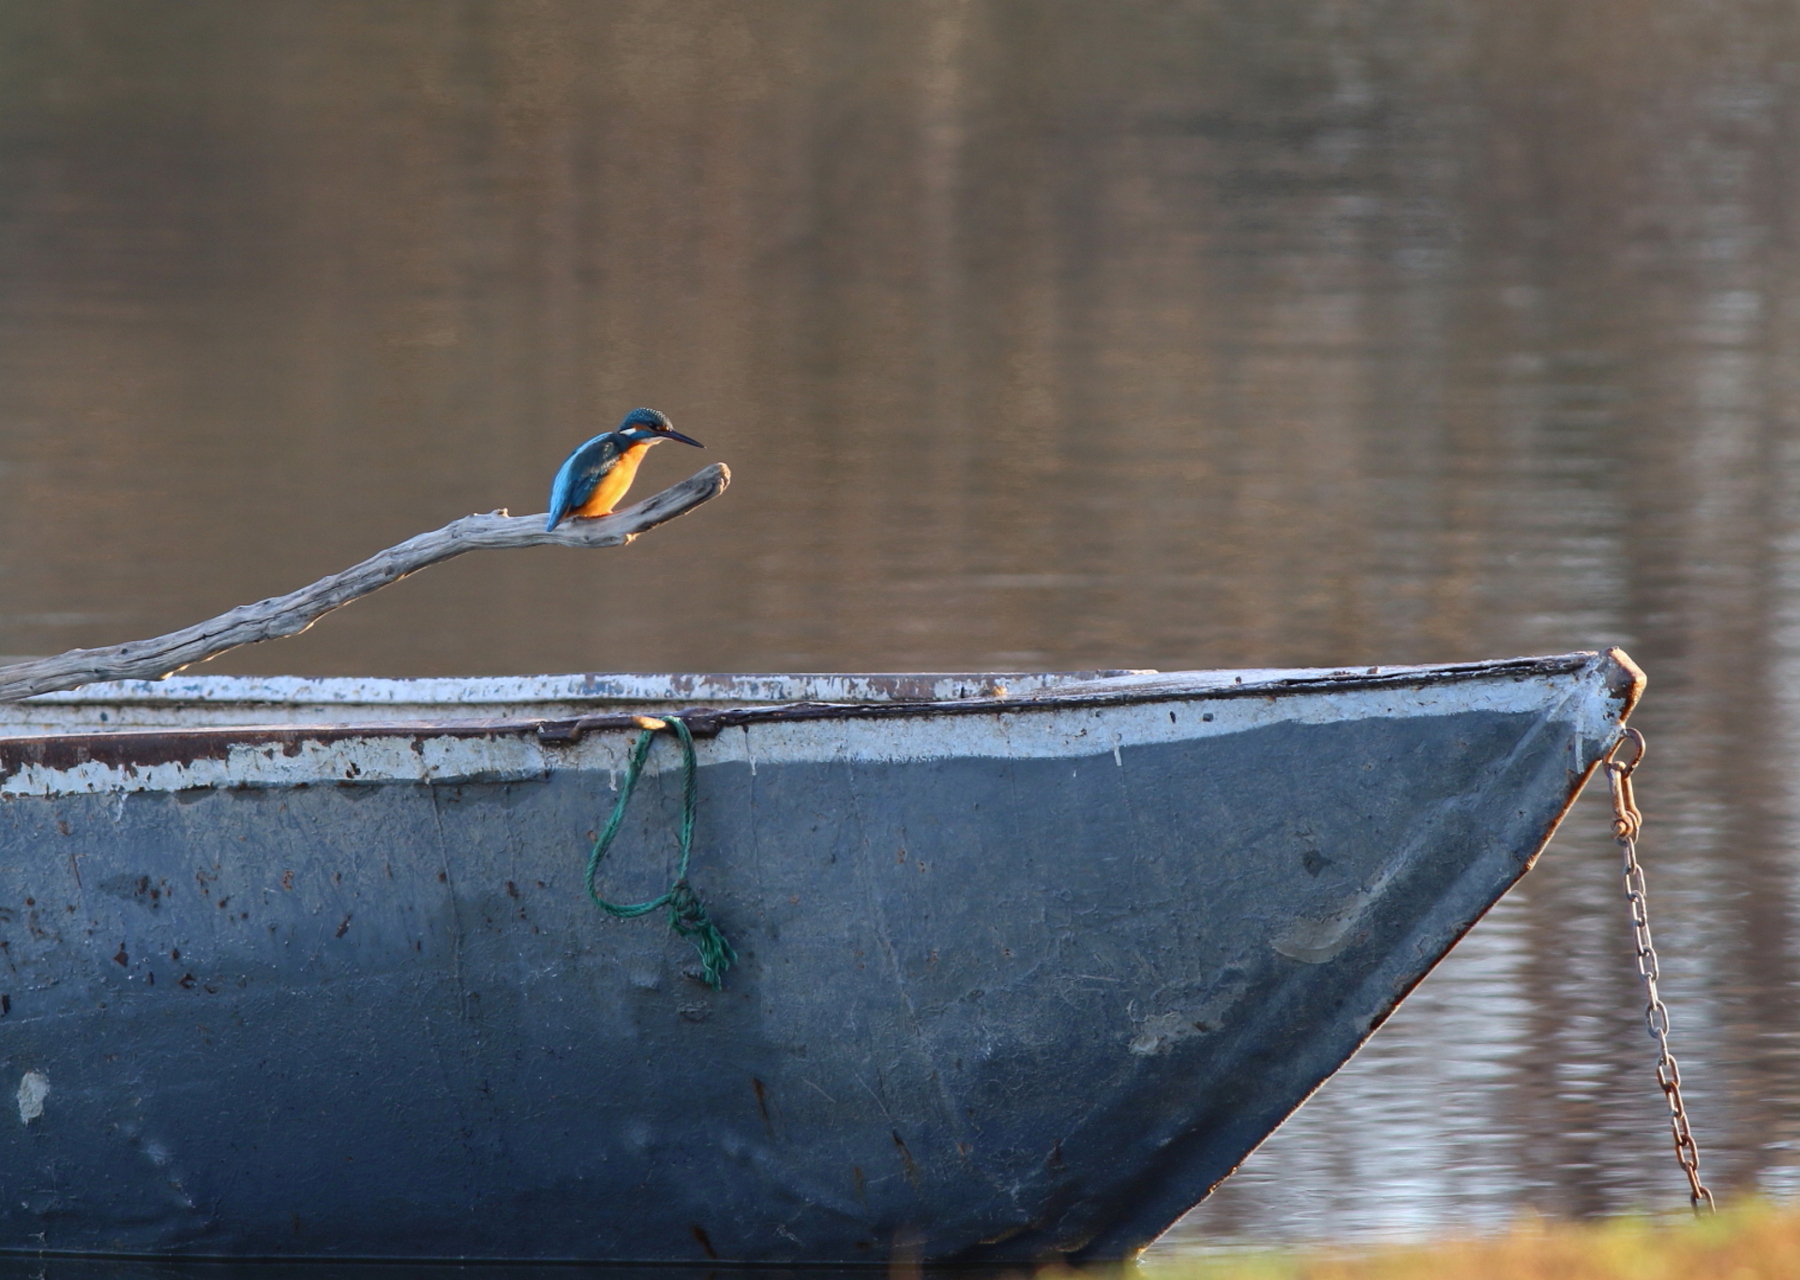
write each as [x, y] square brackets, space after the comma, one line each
[1753, 1242]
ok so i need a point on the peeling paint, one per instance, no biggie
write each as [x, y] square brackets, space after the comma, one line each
[1316, 939]
[295, 700]
[1071, 720]
[34, 1087]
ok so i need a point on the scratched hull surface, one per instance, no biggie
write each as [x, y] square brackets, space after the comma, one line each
[1016, 975]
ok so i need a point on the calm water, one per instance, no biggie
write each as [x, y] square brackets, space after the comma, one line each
[1148, 334]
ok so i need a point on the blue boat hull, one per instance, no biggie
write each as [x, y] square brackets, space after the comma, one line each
[986, 1008]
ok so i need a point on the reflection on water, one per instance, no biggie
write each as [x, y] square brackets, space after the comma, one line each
[1127, 335]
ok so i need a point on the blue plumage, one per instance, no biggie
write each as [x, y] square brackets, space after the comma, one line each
[580, 474]
[597, 474]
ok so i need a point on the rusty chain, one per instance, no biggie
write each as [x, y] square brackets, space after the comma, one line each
[1627, 823]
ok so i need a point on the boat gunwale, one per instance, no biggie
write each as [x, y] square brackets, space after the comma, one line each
[597, 687]
[136, 747]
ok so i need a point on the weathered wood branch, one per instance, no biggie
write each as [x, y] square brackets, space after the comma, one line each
[295, 612]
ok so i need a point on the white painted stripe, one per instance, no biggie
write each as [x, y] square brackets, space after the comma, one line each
[224, 701]
[302, 691]
[1579, 698]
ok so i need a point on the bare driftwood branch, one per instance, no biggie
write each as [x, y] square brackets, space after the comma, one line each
[295, 612]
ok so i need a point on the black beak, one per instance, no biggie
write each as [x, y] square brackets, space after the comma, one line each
[671, 434]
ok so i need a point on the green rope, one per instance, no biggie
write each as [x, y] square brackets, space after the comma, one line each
[686, 916]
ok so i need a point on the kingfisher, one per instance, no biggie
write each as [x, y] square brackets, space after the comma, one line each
[596, 475]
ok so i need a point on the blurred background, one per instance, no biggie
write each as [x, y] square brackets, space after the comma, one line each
[1037, 334]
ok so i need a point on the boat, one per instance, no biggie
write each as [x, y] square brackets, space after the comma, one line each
[1025, 964]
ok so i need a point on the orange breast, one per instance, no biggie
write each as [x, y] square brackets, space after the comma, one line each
[614, 483]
